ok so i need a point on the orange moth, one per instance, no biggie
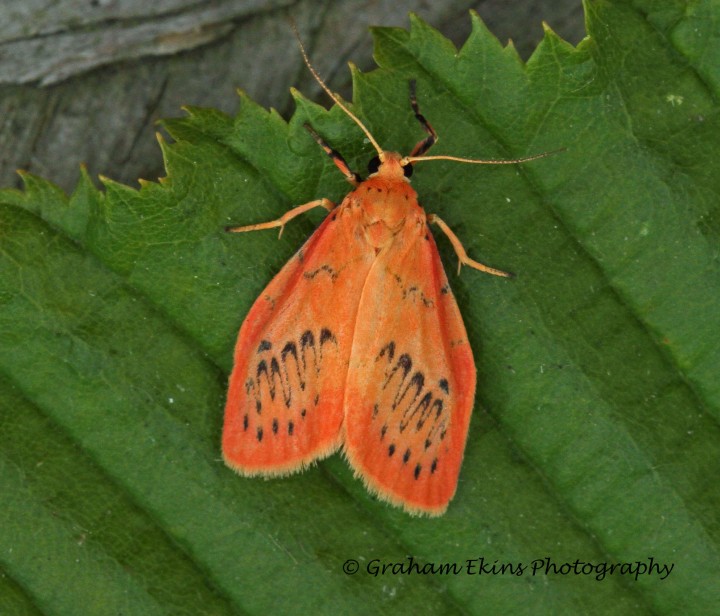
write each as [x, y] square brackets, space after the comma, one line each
[357, 343]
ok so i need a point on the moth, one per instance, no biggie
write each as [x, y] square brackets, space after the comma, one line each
[358, 343]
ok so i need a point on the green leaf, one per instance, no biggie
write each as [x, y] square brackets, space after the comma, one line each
[595, 433]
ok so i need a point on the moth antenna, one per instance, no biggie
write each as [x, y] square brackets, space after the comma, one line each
[334, 96]
[417, 159]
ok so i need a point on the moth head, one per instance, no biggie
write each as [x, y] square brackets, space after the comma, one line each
[391, 165]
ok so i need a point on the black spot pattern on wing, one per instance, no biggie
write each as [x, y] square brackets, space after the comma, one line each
[412, 406]
[323, 269]
[281, 373]
[413, 293]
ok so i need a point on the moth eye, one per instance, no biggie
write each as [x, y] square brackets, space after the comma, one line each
[408, 170]
[374, 165]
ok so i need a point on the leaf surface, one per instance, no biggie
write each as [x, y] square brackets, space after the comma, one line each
[595, 433]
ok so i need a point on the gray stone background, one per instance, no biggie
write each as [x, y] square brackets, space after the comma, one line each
[83, 81]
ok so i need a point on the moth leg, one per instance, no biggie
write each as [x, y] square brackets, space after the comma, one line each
[285, 218]
[463, 259]
[337, 158]
[424, 145]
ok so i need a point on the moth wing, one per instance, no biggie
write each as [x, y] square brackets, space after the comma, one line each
[411, 382]
[285, 399]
